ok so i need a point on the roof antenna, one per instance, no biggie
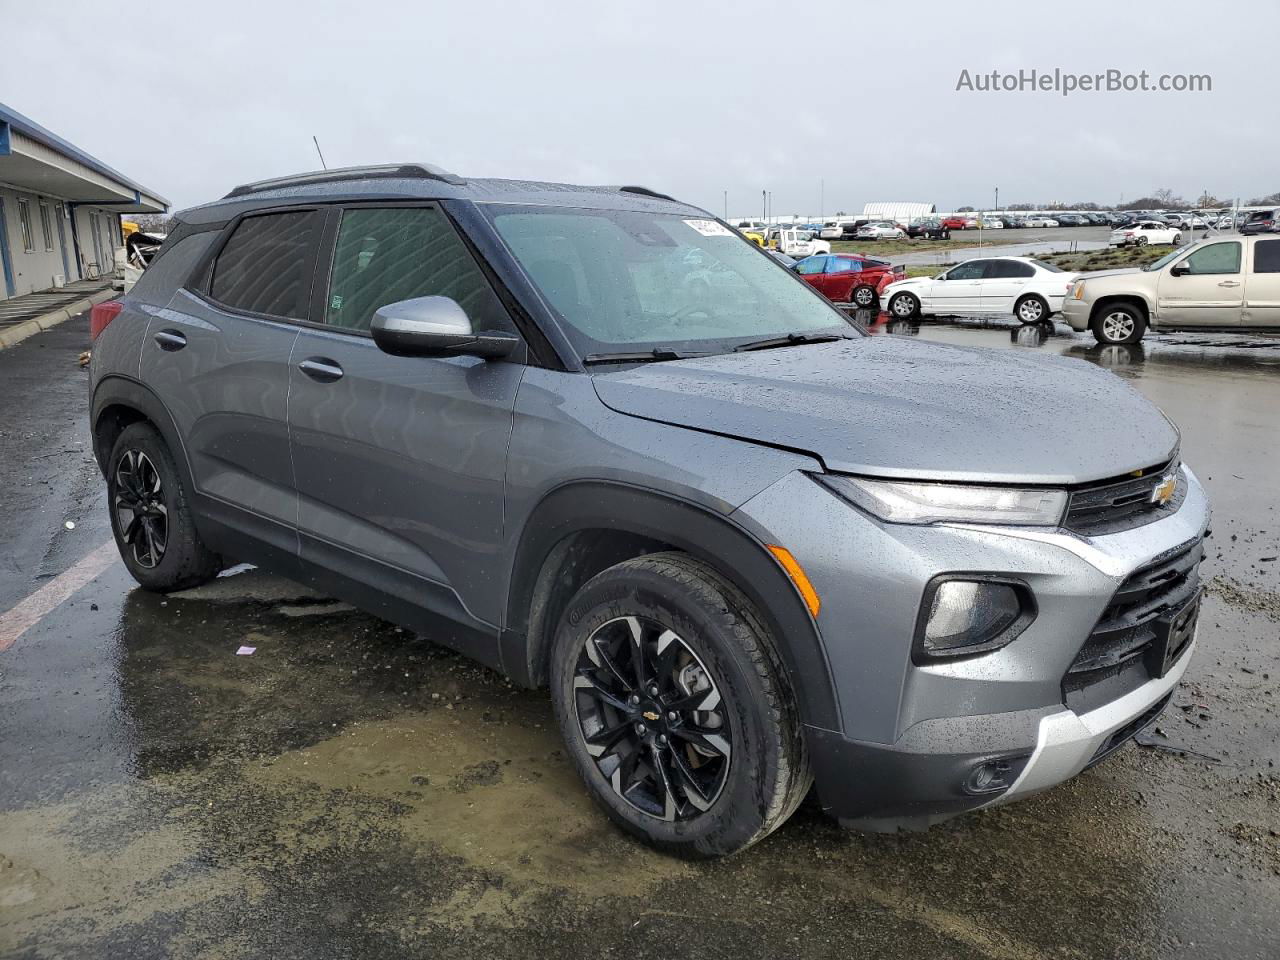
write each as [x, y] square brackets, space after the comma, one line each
[317, 143]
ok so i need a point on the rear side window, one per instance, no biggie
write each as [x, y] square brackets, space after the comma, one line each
[1008, 269]
[1266, 256]
[265, 266]
[388, 254]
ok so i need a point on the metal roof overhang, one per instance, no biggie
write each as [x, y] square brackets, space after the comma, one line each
[29, 164]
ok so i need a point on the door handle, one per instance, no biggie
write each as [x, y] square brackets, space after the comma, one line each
[170, 340]
[1229, 283]
[321, 369]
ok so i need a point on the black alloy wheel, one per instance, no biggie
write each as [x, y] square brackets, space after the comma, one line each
[141, 514]
[652, 718]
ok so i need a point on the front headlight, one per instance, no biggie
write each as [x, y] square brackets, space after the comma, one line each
[906, 501]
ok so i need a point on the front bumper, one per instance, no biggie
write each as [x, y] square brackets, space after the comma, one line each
[913, 733]
[1076, 313]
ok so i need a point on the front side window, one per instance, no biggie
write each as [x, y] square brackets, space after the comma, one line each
[810, 266]
[1266, 256]
[265, 265]
[388, 254]
[968, 271]
[1215, 258]
[628, 279]
[24, 219]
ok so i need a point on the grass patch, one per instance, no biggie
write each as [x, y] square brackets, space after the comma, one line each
[1115, 258]
[886, 248]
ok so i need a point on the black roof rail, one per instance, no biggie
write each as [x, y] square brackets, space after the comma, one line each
[646, 192]
[399, 171]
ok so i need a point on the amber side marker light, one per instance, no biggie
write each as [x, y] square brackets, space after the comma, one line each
[798, 577]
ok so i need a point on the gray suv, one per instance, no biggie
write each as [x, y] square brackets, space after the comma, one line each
[595, 439]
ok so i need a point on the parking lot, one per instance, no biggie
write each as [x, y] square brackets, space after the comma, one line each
[350, 790]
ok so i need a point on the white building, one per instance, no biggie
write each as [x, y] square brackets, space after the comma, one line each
[897, 211]
[59, 209]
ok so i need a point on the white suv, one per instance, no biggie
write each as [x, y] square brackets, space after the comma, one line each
[1215, 284]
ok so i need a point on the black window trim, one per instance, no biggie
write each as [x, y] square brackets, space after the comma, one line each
[537, 350]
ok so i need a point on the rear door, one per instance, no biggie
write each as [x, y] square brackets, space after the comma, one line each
[1211, 294]
[401, 460]
[1002, 282]
[218, 357]
[1262, 284]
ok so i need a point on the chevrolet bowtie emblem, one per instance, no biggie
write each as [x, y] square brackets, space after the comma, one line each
[650, 716]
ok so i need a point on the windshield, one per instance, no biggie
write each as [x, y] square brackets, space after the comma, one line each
[626, 281]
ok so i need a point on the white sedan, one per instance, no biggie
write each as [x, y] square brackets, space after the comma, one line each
[1144, 232]
[1027, 288]
[1041, 222]
[880, 230]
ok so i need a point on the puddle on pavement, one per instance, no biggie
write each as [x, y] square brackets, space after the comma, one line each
[351, 790]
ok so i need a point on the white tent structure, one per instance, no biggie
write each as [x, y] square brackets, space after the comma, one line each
[898, 211]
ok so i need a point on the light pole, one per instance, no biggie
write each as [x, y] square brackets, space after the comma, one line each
[726, 205]
[997, 199]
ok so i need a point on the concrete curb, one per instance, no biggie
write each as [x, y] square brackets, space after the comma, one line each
[29, 328]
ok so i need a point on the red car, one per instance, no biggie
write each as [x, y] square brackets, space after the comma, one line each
[848, 277]
[956, 223]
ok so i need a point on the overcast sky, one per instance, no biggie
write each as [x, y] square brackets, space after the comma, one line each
[691, 98]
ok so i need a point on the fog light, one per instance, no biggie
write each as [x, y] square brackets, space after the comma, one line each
[994, 776]
[973, 616]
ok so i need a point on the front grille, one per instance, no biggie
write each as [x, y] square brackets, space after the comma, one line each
[1116, 505]
[1119, 655]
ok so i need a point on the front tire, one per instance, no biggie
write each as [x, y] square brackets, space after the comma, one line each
[151, 516]
[863, 296]
[1118, 324]
[904, 306]
[1031, 309]
[673, 702]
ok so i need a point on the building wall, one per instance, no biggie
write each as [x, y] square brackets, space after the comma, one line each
[35, 270]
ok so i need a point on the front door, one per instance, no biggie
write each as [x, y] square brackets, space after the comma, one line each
[1211, 291]
[401, 460]
[960, 289]
[1262, 285]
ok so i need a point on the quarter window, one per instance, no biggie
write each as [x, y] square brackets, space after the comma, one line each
[1215, 258]
[24, 219]
[1266, 256]
[388, 254]
[265, 265]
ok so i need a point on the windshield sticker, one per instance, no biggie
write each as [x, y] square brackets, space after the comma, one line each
[709, 228]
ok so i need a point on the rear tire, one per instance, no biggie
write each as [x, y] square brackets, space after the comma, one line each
[151, 516]
[904, 306]
[701, 754]
[1118, 324]
[863, 296]
[1031, 309]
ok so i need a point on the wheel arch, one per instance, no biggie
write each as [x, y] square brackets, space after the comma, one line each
[120, 401]
[581, 528]
[1128, 299]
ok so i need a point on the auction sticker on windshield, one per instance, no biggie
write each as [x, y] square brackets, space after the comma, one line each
[709, 228]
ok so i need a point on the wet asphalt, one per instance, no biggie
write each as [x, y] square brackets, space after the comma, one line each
[352, 791]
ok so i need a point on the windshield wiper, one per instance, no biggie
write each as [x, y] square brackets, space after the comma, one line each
[640, 356]
[790, 340]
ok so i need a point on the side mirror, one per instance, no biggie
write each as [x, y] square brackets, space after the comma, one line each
[435, 327]
[1179, 269]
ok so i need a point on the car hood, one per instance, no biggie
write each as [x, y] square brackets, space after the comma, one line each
[891, 407]
[1121, 272]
